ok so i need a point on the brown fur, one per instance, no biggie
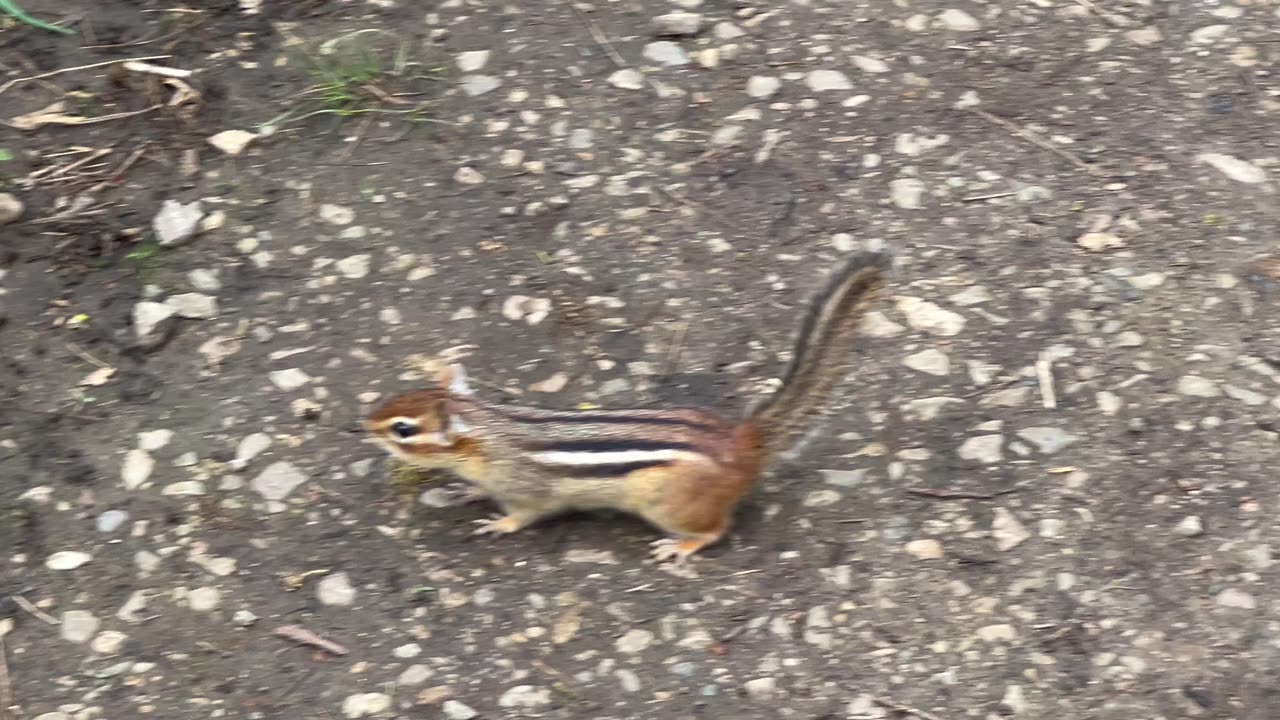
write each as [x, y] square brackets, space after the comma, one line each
[712, 463]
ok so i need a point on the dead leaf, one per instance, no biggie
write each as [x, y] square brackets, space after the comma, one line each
[98, 377]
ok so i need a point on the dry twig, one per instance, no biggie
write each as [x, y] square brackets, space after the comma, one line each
[36, 612]
[961, 494]
[907, 709]
[1034, 139]
[303, 636]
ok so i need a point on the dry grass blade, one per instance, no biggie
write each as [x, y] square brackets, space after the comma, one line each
[90, 66]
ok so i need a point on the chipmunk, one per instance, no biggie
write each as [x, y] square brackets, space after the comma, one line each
[681, 469]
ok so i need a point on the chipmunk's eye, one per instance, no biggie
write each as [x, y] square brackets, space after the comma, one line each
[404, 430]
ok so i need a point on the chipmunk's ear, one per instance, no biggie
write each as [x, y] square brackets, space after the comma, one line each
[453, 377]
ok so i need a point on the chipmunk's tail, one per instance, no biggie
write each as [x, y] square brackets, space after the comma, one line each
[821, 349]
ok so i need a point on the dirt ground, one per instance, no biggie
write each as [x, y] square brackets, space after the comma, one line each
[1049, 490]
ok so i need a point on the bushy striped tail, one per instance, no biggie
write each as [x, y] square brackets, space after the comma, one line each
[821, 350]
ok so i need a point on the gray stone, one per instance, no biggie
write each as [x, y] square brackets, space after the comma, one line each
[79, 626]
[634, 641]
[1190, 526]
[1048, 440]
[111, 520]
[11, 208]
[137, 467]
[665, 52]
[827, 81]
[677, 24]
[907, 193]
[289, 379]
[627, 79]
[525, 696]
[1234, 598]
[249, 448]
[1234, 168]
[455, 710]
[1007, 530]
[365, 704]
[204, 599]
[983, 448]
[148, 315]
[473, 60]
[277, 481]
[176, 223]
[763, 86]
[1196, 386]
[475, 85]
[205, 280]
[196, 306]
[959, 20]
[336, 589]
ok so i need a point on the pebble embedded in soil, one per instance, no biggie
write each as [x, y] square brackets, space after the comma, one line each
[204, 599]
[335, 589]
[249, 448]
[827, 81]
[277, 481]
[476, 85]
[79, 626]
[627, 79]
[289, 379]
[907, 193]
[137, 467]
[958, 20]
[1008, 531]
[665, 52]
[983, 448]
[148, 315]
[472, 60]
[1196, 386]
[1190, 526]
[365, 704]
[525, 696]
[761, 86]
[931, 361]
[930, 317]
[11, 208]
[1048, 440]
[678, 24]
[1235, 168]
[193, 305]
[232, 142]
[926, 549]
[111, 520]
[455, 710]
[176, 222]
[634, 641]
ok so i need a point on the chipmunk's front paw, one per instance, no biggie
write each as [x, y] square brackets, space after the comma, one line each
[674, 550]
[466, 494]
[498, 525]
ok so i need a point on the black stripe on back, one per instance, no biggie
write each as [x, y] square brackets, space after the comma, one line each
[619, 417]
[603, 446]
[603, 471]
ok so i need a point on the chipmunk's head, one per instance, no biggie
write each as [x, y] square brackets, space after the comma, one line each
[424, 427]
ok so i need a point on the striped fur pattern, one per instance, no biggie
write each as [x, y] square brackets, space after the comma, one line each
[682, 469]
[821, 346]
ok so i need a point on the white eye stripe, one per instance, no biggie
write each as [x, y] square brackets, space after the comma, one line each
[435, 438]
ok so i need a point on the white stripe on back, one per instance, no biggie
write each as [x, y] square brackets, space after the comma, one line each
[613, 457]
